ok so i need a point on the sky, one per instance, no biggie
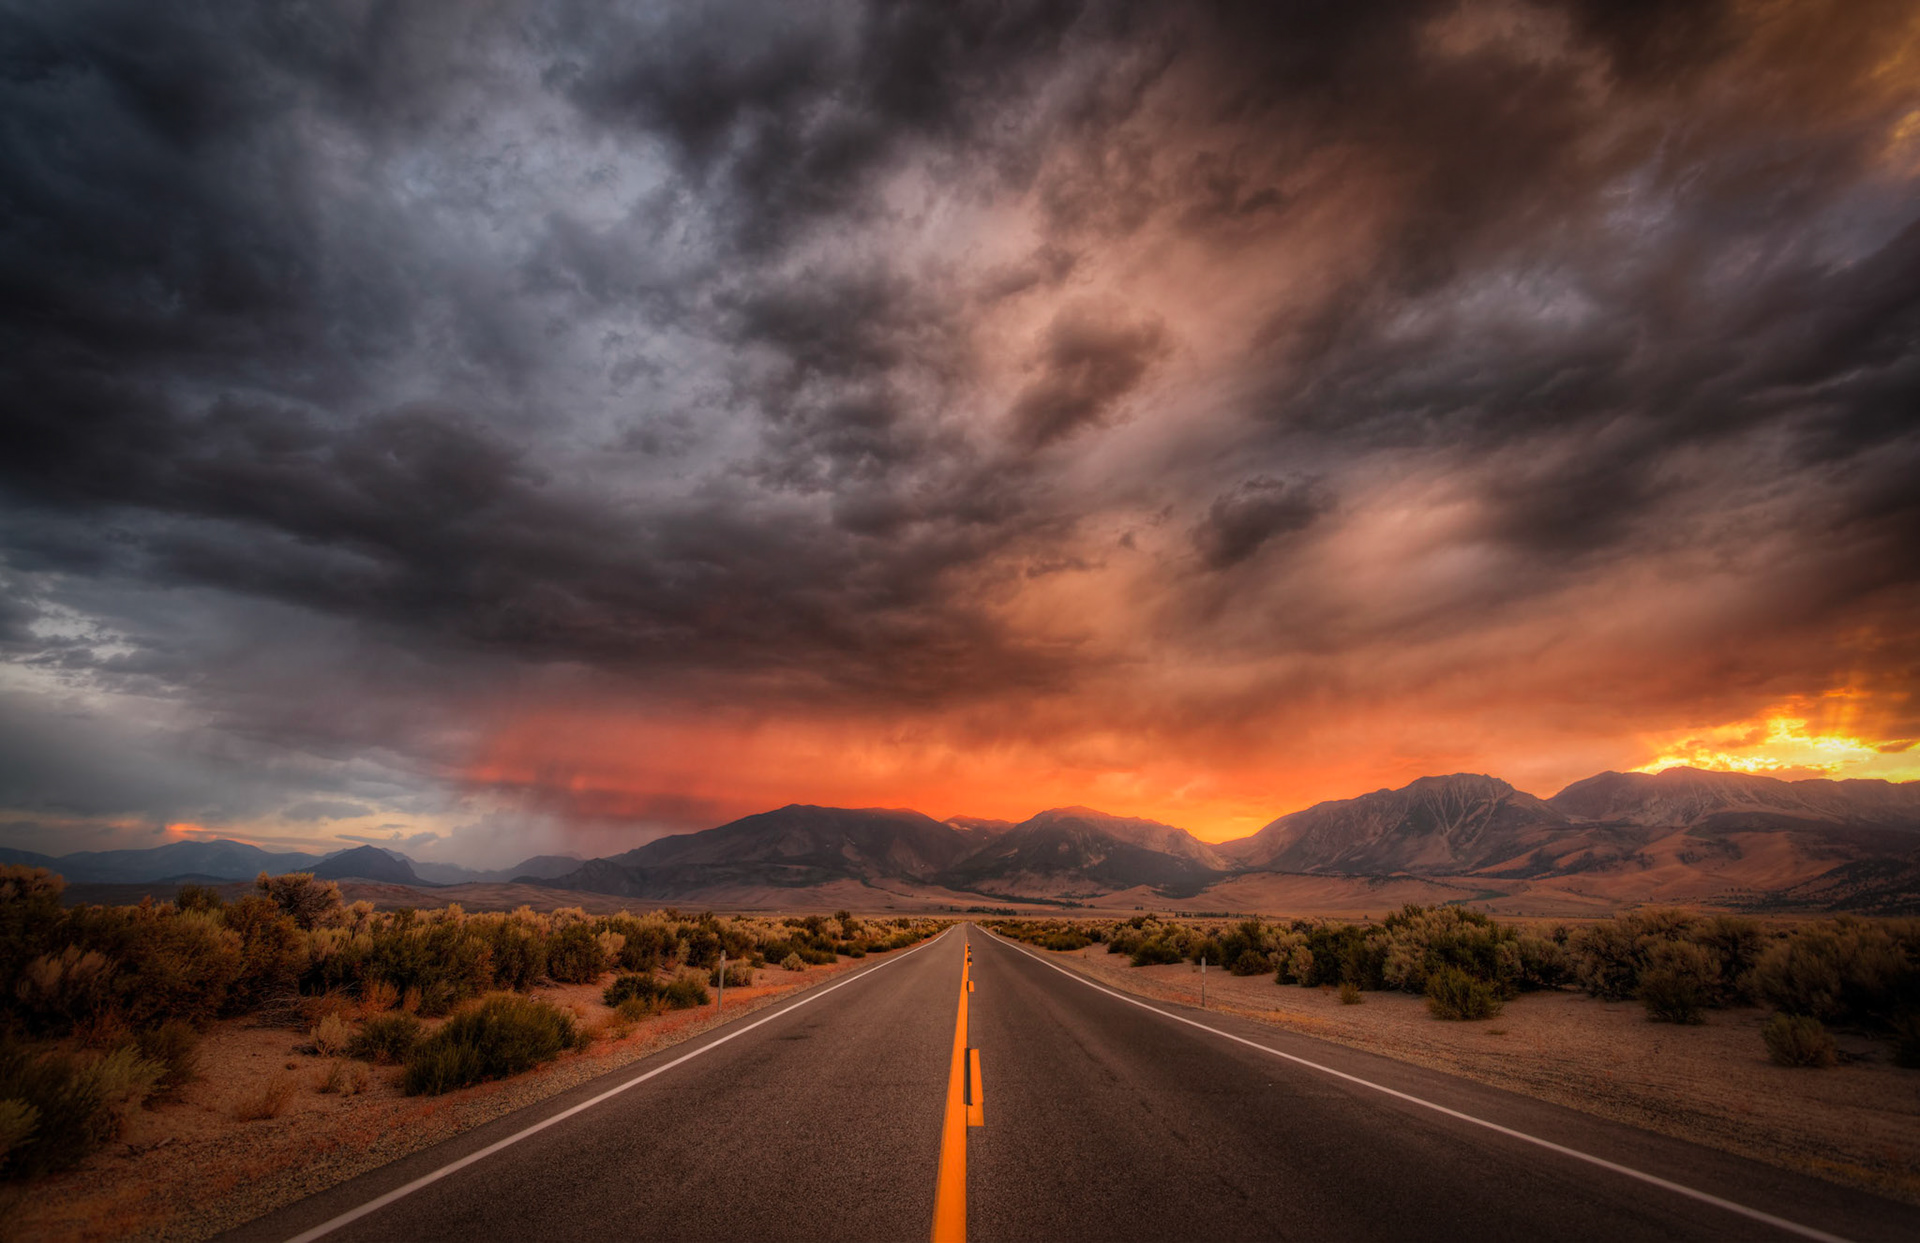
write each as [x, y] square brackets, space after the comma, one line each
[485, 428]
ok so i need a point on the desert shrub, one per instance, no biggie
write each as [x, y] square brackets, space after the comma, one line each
[199, 898]
[1736, 943]
[331, 1036]
[1798, 1040]
[385, 1038]
[793, 962]
[269, 1100]
[519, 955]
[1679, 980]
[1159, 951]
[1418, 943]
[633, 1009]
[440, 962]
[1453, 994]
[30, 918]
[346, 1078]
[1543, 961]
[1843, 970]
[174, 1046]
[378, 996]
[739, 975]
[272, 953]
[1607, 959]
[504, 1035]
[685, 993]
[1350, 994]
[649, 944]
[57, 991]
[300, 897]
[625, 987]
[167, 964]
[575, 955]
[18, 1122]
[77, 1102]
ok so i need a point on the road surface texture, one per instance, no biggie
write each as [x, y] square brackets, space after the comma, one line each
[1104, 1119]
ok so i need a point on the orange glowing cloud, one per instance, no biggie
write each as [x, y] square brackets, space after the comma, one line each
[1827, 736]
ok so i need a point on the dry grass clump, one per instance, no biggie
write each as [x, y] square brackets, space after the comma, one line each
[346, 1078]
[270, 1100]
[331, 1036]
[1350, 994]
[1796, 1040]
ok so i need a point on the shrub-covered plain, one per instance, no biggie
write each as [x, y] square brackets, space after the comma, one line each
[104, 1005]
[1860, 974]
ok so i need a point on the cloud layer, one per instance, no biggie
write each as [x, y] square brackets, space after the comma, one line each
[509, 420]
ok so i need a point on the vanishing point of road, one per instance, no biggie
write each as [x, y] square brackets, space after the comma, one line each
[900, 1102]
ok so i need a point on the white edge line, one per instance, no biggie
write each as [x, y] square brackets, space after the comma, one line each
[379, 1202]
[1655, 1180]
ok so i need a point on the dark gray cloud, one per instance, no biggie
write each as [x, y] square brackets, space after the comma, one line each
[680, 346]
[1244, 518]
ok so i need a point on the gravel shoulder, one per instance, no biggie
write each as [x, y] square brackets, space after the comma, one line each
[189, 1169]
[1857, 1123]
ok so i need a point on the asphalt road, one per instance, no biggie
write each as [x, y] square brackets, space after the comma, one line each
[1104, 1120]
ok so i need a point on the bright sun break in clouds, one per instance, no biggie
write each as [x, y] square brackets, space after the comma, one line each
[1797, 739]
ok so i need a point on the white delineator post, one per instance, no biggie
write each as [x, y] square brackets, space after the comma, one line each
[721, 999]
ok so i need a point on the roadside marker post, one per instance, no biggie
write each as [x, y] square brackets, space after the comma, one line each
[1203, 981]
[720, 1000]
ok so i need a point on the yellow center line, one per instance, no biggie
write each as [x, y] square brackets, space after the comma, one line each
[950, 1192]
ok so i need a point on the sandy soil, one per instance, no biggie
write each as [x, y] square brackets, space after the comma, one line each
[189, 1169]
[1857, 1123]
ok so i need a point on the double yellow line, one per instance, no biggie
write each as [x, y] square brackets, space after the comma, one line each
[966, 1106]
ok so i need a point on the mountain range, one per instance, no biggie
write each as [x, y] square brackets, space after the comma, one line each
[1678, 835]
[223, 860]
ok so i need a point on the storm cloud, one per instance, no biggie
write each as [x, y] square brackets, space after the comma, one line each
[402, 402]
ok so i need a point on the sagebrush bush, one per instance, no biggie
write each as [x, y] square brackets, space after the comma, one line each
[78, 1102]
[174, 1046]
[346, 1078]
[739, 975]
[1846, 970]
[793, 962]
[57, 991]
[631, 987]
[1350, 994]
[302, 898]
[685, 993]
[504, 1035]
[331, 1036]
[633, 1009]
[1798, 1040]
[30, 917]
[1453, 994]
[1607, 959]
[1158, 952]
[575, 955]
[385, 1038]
[18, 1122]
[1678, 982]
